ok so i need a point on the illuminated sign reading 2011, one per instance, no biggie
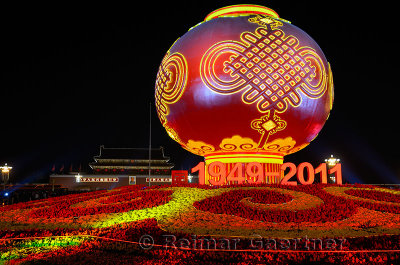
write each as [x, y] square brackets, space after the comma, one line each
[305, 173]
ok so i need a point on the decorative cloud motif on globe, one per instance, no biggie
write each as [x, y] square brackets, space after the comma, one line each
[244, 81]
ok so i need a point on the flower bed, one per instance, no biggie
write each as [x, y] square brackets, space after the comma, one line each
[100, 254]
[355, 212]
[374, 195]
[81, 250]
[52, 201]
[230, 203]
[132, 201]
[110, 252]
[379, 203]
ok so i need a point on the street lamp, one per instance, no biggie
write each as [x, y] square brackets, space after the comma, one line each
[332, 161]
[5, 173]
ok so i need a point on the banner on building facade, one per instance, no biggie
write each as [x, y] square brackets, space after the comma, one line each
[84, 179]
[159, 180]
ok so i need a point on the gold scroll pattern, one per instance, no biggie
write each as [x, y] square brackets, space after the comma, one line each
[171, 81]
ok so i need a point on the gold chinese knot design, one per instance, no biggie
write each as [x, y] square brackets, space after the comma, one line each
[271, 69]
[170, 83]
[267, 125]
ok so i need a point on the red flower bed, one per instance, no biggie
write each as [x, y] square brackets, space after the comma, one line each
[331, 210]
[103, 251]
[108, 252]
[133, 231]
[74, 198]
[122, 196]
[51, 201]
[335, 207]
[145, 199]
[370, 199]
[377, 206]
[374, 195]
[96, 254]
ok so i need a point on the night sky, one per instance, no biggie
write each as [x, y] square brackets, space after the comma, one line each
[74, 78]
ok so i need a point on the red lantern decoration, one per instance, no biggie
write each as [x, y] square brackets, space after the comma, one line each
[244, 86]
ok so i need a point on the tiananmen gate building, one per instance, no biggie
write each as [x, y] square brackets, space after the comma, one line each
[115, 167]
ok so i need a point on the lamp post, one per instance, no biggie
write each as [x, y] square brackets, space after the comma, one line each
[5, 173]
[332, 161]
[150, 145]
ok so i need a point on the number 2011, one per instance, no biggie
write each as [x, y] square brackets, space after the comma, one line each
[322, 169]
[217, 170]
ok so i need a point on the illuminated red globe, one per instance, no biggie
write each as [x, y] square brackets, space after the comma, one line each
[244, 86]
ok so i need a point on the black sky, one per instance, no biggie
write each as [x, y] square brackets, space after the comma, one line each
[76, 77]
